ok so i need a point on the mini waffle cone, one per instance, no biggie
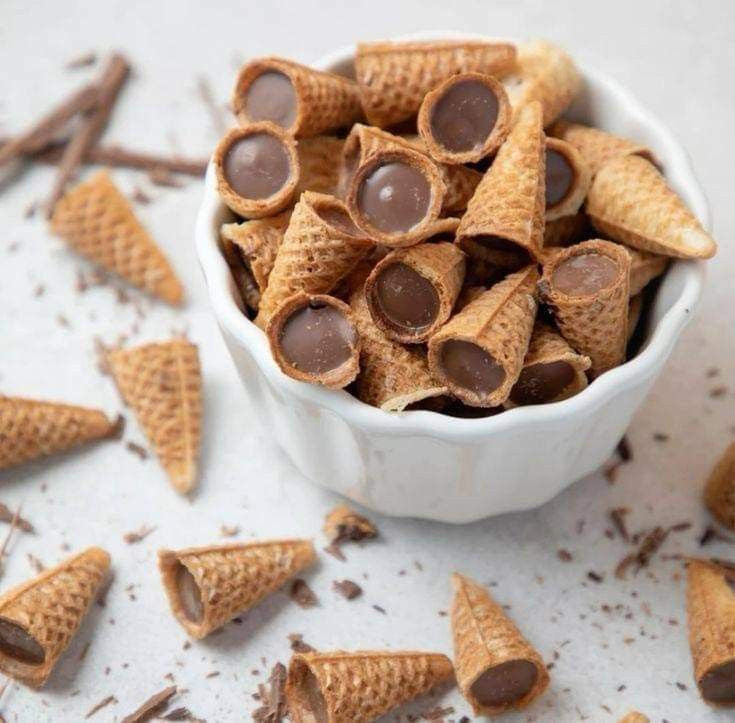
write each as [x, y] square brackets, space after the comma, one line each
[394, 77]
[635, 307]
[162, 383]
[566, 230]
[31, 428]
[51, 608]
[443, 264]
[325, 100]
[241, 274]
[231, 578]
[333, 379]
[484, 636]
[719, 492]
[582, 178]
[509, 202]
[257, 207]
[320, 159]
[491, 144]
[359, 687]
[314, 255]
[711, 616]
[545, 73]
[392, 376]
[630, 202]
[634, 717]
[596, 326]
[96, 220]
[500, 321]
[597, 147]
[644, 268]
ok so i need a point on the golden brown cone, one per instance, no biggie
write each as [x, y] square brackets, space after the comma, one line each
[315, 255]
[595, 325]
[257, 207]
[581, 180]
[442, 264]
[544, 73]
[230, 578]
[97, 221]
[644, 268]
[359, 687]
[630, 202]
[162, 383]
[566, 230]
[32, 428]
[394, 77]
[320, 160]
[50, 608]
[500, 322]
[711, 617]
[508, 205]
[719, 492]
[597, 146]
[326, 101]
[634, 717]
[484, 637]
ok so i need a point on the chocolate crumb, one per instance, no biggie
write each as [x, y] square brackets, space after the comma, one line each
[61, 320]
[274, 706]
[39, 291]
[437, 713]
[648, 547]
[182, 714]
[213, 674]
[138, 536]
[302, 594]
[335, 551]
[681, 527]
[595, 576]
[140, 196]
[85, 60]
[30, 210]
[102, 704]
[660, 437]
[681, 686]
[298, 645]
[84, 652]
[186, 645]
[617, 517]
[379, 609]
[624, 449]
[137, 449]
[21, 523]
[717, 392]
[347, 589]
[712, 372]
[156, 704]
[564, 555]
[711, 534]
[36, 564]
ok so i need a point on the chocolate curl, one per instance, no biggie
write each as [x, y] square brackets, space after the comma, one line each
[719, 492]
[630, 202]
[644, 268]
[395, 77]
[208, 586]
[495, 138]
[359, 687]
[320, 160]
[566, 230]
[325, 101]
[572, 201]
[257, 207]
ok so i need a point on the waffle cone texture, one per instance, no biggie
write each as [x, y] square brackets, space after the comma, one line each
[634, 717]
[97, 221]
[719, 491]
[162, 384]
[644, 268]
[359, 687]
[320, 161]
[230, 578]
[50, 608]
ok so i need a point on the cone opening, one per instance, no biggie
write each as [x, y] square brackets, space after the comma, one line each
[17, 643]
[256, 165]
[470, 367]
[542, 382]
[188, 593]
[503, 252]
[585, 274]
[505, 684]
[336, 216]
[560, 177]
[718, 683]
[310, 702]
[271, 96]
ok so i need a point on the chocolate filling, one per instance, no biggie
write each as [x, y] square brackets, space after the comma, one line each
[718, 684]
[464, 116]
[540, 383]
[505, 684]
[394, 197]
[271, 97]
[559, 177]
[17, 643]
[407, 299]
[189, 594]
[510, 256]
[471, 367]
[339, 219]
[317, 338]
[584, 274]
[257, 166]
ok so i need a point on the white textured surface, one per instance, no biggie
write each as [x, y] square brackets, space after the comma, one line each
[680, 62]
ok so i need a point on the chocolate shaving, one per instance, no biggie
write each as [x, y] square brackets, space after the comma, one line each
[157, 703]
[718, 392]
[81, 61]
[182, 714]
[711, 534]
[343, 524]
[137, 449]
[564, 555]
[298, 645]
[138, 536]
[379, 609]
[335, 551]
[648, 547]
[347, 589]
[273, 698]
[617, 516]
[7, 516]
[595, 576]
[35, 563]
[437, 713]
[140, 196]
[302, 594]
[102, 704]
[661, 437]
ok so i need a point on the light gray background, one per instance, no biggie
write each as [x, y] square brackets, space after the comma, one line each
[679, 58]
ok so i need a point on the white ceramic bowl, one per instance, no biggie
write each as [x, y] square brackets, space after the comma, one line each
[422, 464]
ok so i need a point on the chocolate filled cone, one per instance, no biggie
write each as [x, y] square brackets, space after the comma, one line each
[320, 159]
[257, 207]
[719, 492]
[97, 221]
[359, 687]
[580, 184]
[635, 307]
[630, 202]
[30, 428]
[485, 638]
[711, 616]
[500, 322]
[208, 586]
[39, 618]
[634, 717]
[394, 77]
[567, 230]
[597, 147]
[544, 73]
[442, 265]
[325, 101]
[321, 246]
[504, 222]
[644, 268]
[162, 384]
[595, 325]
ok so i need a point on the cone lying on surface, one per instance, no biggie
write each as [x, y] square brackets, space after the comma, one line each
[39, 618]
[320, 160]
[96, 220]
[719, 492]
[359, 687]
[567, 230]
[630, 202]
[634, 717]
[30, 428]
[394, 77]
[497, 668]
[208, 586]
[711, 615]
[644, 268]
[504, 222]
[162, 383]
